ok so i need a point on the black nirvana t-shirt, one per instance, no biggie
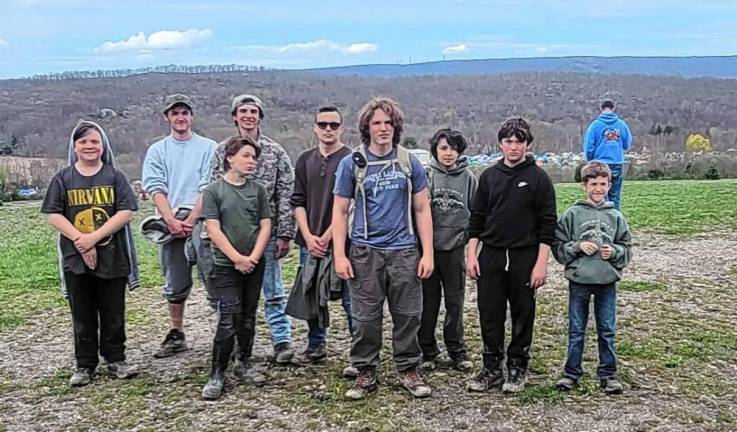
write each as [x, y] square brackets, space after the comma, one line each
[88, 202]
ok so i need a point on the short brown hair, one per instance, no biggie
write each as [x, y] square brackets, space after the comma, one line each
[328, 108]
[234, 145]
[595, 169]
[390, 108]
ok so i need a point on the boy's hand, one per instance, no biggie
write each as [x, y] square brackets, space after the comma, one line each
[175, 227]
[282, 248]
[244, 264]
[606, 251]
[86, 242]
[539, 275]
[90, 258]
[343, 268]
[589, 248]
[315, 246]
[472, 266]
[425, 267]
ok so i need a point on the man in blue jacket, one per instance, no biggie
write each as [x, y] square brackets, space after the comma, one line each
[606, 140]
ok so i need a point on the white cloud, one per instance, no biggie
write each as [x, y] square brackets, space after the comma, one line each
[321, 45]
[3, 42]
[455, 49]
[160, 40]
[362, 48]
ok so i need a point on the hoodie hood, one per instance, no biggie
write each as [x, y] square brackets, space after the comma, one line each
[459, 167]
[107, 151]
[605, 205]
[608, 118]
[501, 166]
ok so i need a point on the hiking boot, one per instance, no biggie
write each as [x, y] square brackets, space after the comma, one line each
[122, 370]
[174, 342]
[428, 365]
[365, 383]
[412, 381]
[244, 371]
[350, 372]
[485, 380]
[461, 363]
[283, 353]
[516, 380]
[611, 386]
[213, 390]
[81, 377]
[312, 355]
[566, 383]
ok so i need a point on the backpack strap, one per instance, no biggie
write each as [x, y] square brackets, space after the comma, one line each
[405, 163]
[360, 166]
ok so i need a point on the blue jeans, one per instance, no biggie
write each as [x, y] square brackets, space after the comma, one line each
[615, 192]
[315, 334]
[275, 297]
[605, 311]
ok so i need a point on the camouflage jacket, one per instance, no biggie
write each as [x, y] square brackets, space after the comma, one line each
[274, 171]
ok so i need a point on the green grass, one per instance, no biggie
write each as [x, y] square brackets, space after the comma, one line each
[675, 207]
[639, 286]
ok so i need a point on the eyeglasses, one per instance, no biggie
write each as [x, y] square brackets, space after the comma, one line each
[323, 165]
[324, 125]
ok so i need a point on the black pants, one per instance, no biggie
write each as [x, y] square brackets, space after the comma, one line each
[235, 296]
[448, 281]
[505, 277]
[97, 303]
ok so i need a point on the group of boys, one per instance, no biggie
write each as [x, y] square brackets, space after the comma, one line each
[375, 225]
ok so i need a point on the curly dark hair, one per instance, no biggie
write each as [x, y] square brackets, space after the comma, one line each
[455, 140]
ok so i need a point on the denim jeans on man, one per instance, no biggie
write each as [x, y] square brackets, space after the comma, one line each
[605, 311]
[315, 334]
[615, 191]
[275, 297]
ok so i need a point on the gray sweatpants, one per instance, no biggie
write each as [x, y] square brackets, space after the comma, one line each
[392, 275]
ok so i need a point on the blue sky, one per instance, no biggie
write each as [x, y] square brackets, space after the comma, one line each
[42, 36]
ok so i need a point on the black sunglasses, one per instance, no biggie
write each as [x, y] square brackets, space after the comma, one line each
[324, 125]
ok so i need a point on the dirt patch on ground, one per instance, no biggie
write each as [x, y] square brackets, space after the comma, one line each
[676, 343]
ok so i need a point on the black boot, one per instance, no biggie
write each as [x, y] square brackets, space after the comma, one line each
[221, 350]
[214, 387]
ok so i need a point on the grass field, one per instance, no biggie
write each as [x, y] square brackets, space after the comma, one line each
[677, 344]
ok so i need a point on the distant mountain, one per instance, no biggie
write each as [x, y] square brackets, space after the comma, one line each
[686, 67]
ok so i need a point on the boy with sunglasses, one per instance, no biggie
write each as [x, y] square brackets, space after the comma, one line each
[313, 202]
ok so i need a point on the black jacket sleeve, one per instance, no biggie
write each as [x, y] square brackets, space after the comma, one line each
[546, 210]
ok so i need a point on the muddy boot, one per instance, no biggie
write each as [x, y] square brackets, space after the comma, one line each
[214, 387]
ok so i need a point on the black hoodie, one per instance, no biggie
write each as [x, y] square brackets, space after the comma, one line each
[514, 207]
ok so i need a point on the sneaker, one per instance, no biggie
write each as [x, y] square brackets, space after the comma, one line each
[248, 374]
[283, 353]
[428, 365]
[412, 381]
[566, 383]
[81, 377]
[516, 380]
[174, 342]
[611, 386]
[365, 383]
[485, 380]
[350, 372]
[461, 363]
[122, 370]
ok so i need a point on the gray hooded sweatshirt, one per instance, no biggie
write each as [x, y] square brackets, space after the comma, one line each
[108, 159]
[451, 194]
[602, 225]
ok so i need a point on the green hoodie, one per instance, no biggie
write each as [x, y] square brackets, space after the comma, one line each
[601, 225]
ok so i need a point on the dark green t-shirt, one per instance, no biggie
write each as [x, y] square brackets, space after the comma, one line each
[239, 208]
[88, 202]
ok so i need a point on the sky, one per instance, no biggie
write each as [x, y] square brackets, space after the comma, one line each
[44, 36]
